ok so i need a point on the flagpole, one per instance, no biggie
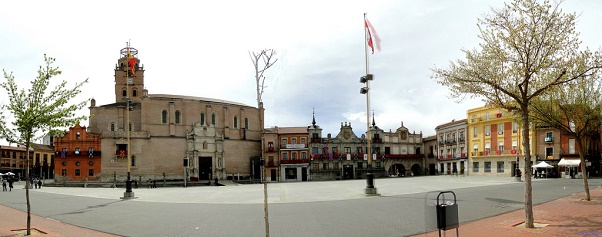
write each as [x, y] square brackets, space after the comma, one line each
[370, 189]
[128, 183]
[368, 137]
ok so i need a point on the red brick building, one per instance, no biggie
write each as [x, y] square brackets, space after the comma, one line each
[77, 155]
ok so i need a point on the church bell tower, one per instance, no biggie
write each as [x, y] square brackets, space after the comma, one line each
[129, 76]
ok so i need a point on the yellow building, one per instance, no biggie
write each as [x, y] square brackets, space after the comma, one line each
[495, 142]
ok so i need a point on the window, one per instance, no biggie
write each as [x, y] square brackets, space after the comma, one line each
[130, 127]
[177, 116]
[347, 150]
[303, 155]
[91, 172]
[135, 93]
[112, 127]
[124, 93]
[316, 166]
[549, 152]
[572, 146]
[500, 167]
[285, 156]
[202, 118]
[133, 161]
[461, 137]
[212, 119]
[77, 163]
[90, 151]
[453, 137]
[314, 150]
[246, 123]
[335, 150]
[476, 148]
[500, 146]
[77, 136]
[473, 118]
[487, 130]
[500, 129]
[303, 140]
[377, 164]
[76, 172]
[164, 116]
[486, 115]
[284, 141]
[487, 167]
[235, 125]
[294, 155]
[294, 141]
[324, 166]
[514, 145]
[548, 137]
[335, 165]
[64, 172]
[514, 127]
[475, 132]
[487, 148]
[572, 126]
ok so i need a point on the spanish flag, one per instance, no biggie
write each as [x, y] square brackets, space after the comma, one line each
[132, 63]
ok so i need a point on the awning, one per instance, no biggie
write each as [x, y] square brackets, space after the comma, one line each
[569, 162]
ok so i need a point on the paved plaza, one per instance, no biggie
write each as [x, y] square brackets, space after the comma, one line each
[405, 207]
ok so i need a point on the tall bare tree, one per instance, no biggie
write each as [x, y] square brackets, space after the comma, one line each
[576, 110]
[528, 48]
[37, 110]
[262, 61]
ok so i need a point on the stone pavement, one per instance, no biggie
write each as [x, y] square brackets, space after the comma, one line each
[568, 216]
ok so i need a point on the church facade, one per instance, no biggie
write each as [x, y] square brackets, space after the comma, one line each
[172, 137]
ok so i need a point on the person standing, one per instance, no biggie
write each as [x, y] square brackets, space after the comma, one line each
[3, 185]
[39, 183]
[10, 184]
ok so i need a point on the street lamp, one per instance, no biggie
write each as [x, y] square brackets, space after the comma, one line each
[370, 189]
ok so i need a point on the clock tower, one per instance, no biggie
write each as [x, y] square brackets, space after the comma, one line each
[129, 76]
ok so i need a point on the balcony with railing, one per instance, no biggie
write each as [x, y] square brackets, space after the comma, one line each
[293, 146]
[548, 139]
[300, 161]
[121, 153]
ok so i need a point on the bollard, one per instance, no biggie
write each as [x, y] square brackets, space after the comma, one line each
[369, 180]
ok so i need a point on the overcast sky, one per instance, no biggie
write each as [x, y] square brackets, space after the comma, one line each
[201, 48]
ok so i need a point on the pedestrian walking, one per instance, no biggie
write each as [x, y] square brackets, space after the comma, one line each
[216, 181]
[39, 183]
[10, 185]
[154, 183]
[35, 184]
[3, 185]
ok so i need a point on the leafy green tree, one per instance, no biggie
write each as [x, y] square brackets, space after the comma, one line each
[36, 111]
[527, 49]
[576, 110]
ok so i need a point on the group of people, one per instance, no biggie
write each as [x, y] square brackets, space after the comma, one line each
[35, 182]
[5, 182]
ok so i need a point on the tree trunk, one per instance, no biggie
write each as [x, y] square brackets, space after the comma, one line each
[27, 187]
[583, 168]
[527, 169]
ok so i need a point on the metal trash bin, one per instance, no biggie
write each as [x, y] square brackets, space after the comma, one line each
[447, 214]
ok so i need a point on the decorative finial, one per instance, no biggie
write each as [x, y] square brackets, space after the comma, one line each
[373, 123]
[313, 115]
